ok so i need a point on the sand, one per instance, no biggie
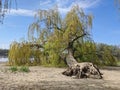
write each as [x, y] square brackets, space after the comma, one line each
[44, 78]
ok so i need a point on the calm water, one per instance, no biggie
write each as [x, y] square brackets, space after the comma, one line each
[3, 59]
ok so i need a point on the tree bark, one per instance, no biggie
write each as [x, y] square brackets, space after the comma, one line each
[70, 59]
[83, 70]
[80, 70]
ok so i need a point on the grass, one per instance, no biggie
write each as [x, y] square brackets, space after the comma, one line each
[21, 69]
[24, 69]
[13, 68]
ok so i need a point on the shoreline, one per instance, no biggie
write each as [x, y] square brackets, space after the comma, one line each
[2, 59]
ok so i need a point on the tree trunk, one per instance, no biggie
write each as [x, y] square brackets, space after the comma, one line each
[70, 59]
[80, 70]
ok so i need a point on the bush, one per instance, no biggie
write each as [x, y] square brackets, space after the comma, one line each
[13, 68]
[19, 54]
[21, 69]
[24, 69]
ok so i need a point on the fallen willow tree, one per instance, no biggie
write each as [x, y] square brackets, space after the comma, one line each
[59, 36]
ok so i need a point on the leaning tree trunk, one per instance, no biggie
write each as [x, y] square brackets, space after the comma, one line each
[70, 60]
[80, 70]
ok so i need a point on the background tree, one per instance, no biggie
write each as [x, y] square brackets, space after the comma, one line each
[107, 54]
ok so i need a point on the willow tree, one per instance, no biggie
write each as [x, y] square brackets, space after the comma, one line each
[58, 35]
[5, 6]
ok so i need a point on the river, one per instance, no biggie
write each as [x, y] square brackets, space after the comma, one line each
[3, 59]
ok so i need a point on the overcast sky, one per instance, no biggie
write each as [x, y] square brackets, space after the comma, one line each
[106, 22]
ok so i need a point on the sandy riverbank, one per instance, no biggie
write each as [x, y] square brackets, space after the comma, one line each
[43, 78]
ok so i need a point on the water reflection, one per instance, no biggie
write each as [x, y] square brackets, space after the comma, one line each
[3, 59]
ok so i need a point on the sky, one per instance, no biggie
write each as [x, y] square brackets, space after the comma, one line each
[106, 21]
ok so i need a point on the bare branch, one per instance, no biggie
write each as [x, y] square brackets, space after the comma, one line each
[78, 37]
[36, 45]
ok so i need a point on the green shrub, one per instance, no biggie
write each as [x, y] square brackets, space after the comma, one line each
[19, 54]
[24, 69]
[21, 69]
[13, 68]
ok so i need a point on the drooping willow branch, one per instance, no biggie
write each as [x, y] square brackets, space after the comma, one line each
[5, 6]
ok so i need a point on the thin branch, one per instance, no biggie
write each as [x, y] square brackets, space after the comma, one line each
[36, 45]
[78, 37]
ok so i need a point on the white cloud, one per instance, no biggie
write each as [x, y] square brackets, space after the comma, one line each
[21, 12]
[88, 3]
[45, 2]
[63, 5]
[85, 4]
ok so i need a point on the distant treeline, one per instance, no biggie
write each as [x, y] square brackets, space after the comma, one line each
[4, 52]
[108, 49]
[99, 53]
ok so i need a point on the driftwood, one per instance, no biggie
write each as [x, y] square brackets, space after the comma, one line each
[83, 70]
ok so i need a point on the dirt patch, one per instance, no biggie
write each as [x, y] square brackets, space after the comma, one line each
[42, 78]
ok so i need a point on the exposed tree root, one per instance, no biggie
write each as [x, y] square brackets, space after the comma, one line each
[83, 70]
